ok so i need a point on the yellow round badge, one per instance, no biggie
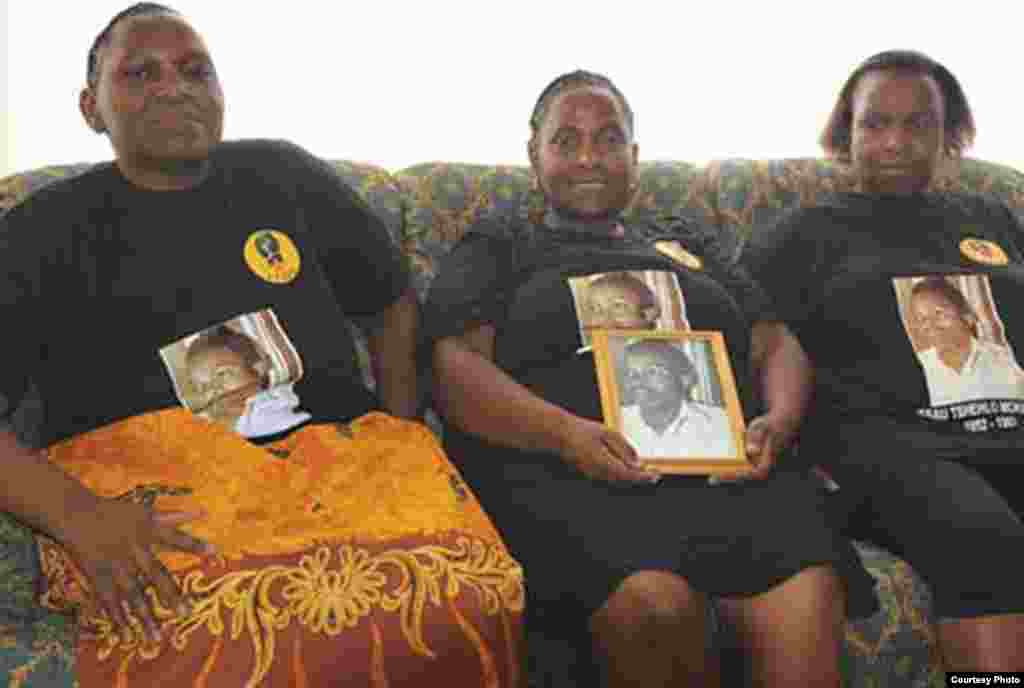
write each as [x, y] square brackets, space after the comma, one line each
[272, 256]
[676, 252]
[983, 251]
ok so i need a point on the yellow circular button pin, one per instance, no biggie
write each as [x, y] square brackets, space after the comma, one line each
[272, 256]
[983, 251]
[676, 252]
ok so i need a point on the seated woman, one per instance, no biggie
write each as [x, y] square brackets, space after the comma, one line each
[329, 541]
[609, 549]
[908, 301]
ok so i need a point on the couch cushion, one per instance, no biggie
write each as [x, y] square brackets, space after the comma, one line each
[748, 195]
[373, 183]
[17, 186]
[36, 645]
[896, 646]
[445, 199]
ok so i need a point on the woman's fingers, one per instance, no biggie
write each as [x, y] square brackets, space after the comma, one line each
[760, 443]
[105, 591]
[132, 593]
[183, 542]
[177, 539]
[166, 587]
[621, 448]
[176, 518]
[629, 467]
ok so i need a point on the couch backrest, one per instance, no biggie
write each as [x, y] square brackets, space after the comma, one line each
[750, 195]
[445, 199]
[428, 207]
[373, 183]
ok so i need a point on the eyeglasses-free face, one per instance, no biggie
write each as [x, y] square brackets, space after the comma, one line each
[585, 159]
[897, 131]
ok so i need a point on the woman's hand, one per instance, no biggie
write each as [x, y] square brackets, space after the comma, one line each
[601, 453]
[785, 380]
[765, 439]
[114, 545]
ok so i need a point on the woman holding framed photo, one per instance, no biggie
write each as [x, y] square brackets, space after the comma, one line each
[627, 557]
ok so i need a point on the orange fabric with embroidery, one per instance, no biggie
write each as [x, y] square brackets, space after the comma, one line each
[349, 555]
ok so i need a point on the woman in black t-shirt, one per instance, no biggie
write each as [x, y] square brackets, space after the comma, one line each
[607, 546]
[908, 302]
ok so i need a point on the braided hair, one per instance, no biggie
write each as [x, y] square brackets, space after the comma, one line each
[136, 10]
[580, 78]
[568, 81]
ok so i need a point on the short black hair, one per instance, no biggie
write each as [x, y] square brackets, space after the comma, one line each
[136, 10]
[959, 121]
[572, 80]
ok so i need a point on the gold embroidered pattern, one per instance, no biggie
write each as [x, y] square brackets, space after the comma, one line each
[325, 594]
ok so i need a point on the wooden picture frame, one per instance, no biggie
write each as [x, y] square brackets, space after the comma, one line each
[672, 394]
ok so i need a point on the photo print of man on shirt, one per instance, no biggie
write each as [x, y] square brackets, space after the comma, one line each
[957, 334]
[241, 374]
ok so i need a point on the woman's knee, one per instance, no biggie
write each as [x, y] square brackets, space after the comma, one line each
[652, 599]
[814, 593]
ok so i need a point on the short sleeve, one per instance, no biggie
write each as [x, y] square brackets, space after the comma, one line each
[474, 284]
[782, 260]
[733, 276]
[362, 263]
[1014, 233]
[16, 293]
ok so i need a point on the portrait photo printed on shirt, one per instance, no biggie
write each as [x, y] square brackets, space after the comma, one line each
[636, 300]
[973, 377]
[240, 373]
[673, 396]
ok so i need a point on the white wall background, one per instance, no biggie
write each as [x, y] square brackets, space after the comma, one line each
[6, 131]
[402, 82]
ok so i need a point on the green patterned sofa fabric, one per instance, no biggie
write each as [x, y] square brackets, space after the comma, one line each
[1000, 181]
[748, 195]
[895, 648]
[754, 193]
[36, 646]
[17, 186]
[379, 189]
[374, 184]
[445, 199]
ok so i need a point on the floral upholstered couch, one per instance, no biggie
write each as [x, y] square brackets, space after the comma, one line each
[427, 207]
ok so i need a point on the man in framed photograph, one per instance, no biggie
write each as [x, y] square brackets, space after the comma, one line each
[660, 417]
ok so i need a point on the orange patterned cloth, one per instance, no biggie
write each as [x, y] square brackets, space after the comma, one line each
[348, 554]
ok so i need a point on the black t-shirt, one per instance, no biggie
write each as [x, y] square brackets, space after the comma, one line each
[230, 298]
[516, 276]
[911, 309]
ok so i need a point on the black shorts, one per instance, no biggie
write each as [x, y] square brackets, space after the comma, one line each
[578, 539]
[944, 519]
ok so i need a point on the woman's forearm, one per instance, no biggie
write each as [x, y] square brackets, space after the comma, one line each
[391, 338]
[784, 374]
[38, 493]
[483, 400]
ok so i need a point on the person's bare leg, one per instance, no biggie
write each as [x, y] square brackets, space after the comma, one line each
[792, 634]
[984, 643]
[652, 632]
